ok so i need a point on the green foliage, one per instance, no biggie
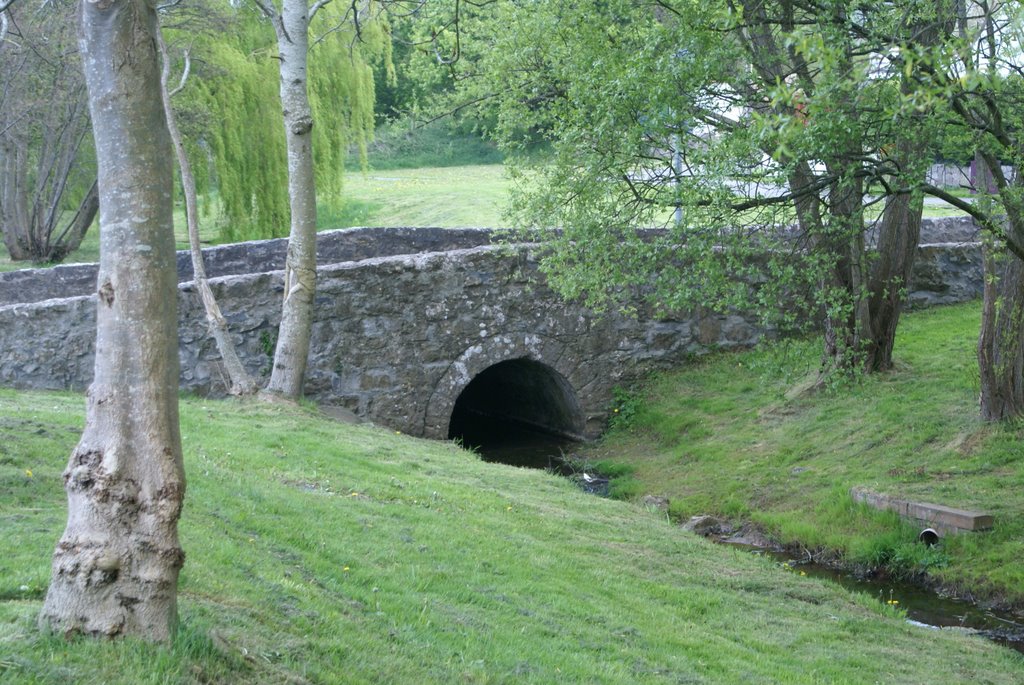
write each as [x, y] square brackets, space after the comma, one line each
[625, 405]
[331, 553]
[403, 145]
[246, 138]
[232, 114]
[617, 88]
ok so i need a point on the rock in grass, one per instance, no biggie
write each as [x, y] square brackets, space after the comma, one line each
[706, 526]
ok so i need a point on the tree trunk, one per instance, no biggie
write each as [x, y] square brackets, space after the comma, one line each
[71, 237]
[898, 235]
[846, 311]
[115, 569]
[14, 221]
[290, 356]
[239, 381]
[1001, 342]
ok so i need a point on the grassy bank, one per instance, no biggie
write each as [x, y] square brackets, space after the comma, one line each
[448, 197]
[722, 437]
[325, 553]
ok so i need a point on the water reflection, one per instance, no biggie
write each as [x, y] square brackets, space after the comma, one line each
[504, 442]
[924, 607]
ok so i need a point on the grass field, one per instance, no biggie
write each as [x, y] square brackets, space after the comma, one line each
[720, 436]
[327, 553]
[449, 197]
[474, 195]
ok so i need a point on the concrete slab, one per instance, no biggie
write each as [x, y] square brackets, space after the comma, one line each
[942, 518]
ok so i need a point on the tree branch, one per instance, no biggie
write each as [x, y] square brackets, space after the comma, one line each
[184, 74]
[317, 7]
[983, 219]
[267, 8]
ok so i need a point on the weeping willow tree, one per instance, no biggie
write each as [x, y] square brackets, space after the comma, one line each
[231, 114]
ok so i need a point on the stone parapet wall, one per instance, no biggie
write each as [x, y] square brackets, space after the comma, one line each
[343, 245]
[257, 256]
[397, 338]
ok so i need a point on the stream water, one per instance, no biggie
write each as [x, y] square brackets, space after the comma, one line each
[513, 444]
[924, 607]
[518, 447]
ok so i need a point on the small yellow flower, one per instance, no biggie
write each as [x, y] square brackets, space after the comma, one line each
[893, 601]
[345, 568]
[616, 410]
[28, 472]
[803, 573]
[508, 508]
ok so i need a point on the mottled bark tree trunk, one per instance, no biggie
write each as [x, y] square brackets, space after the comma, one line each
[1001, 341]
[115, 569]
[290, 356]
[898, 235]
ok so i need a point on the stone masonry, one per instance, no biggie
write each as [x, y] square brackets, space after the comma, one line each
[404, 320]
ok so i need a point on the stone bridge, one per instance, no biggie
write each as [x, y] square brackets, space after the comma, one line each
[414, 329]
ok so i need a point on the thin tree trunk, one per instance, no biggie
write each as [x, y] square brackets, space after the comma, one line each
[115, 569]
[13, 208]
[239, 380]
[74, 232]
[290, 356]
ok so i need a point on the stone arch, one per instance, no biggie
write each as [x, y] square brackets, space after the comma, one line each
[525, 365]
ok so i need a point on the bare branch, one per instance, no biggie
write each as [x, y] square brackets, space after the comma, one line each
[168, 5]
[267, 8]
[319, 5]
[184, 74]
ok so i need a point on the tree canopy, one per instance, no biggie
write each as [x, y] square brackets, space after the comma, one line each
[723, 123]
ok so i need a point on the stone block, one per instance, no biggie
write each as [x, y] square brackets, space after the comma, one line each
[941, 517]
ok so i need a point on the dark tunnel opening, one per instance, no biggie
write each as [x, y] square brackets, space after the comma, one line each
[518, 412]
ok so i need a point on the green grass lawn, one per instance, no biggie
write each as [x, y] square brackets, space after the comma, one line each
[326, 553]
[449, 197]
[720, 436]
